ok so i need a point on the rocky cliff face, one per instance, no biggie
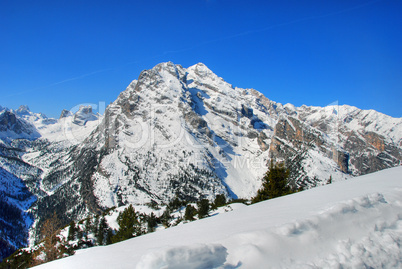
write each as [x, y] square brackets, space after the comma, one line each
[185, 132]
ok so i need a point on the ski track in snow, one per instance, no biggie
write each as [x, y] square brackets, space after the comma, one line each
[351, 224]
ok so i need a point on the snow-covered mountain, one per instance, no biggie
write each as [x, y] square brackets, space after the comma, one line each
[186, 133]
[350, 224]
[25, 135]
[83, 115]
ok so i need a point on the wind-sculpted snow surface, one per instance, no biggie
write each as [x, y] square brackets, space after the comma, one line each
[365, 232]
[195, 256]
[351, 224]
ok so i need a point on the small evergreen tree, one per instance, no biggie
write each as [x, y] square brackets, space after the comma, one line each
[275, 183]
[175, 204]
[129, 225]
[72, 231]
[203, 208]
[220, 200]
[151, 222]
[87, 227]
[95, 225]
[80, 233]
[100, 238]
[101, 231]
[109, 236]
[190, 213]
[166, 218]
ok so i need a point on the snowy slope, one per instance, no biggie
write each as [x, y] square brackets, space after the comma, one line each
[350, 224]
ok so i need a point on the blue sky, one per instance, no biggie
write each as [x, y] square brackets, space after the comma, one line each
[59, 54]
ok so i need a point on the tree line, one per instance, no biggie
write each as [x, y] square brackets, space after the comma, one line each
[96, 231]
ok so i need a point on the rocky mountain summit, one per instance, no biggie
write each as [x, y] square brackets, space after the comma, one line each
[186, 133]
[83, 115]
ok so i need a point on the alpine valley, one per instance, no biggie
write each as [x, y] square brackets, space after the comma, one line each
[176, 133]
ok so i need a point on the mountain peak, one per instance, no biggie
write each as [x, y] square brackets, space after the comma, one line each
[170, 68]
[165, 65]
[83, 115]
[65, 113]
[23, 109]
[10, 121]
[200, 69]
[201, 65]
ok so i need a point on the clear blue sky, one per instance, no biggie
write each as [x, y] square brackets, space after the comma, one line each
[58, 54]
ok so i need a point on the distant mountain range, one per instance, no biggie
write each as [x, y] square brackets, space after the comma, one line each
[176, 132]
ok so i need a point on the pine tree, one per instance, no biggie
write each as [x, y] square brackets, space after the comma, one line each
[129, 225]
[101, 231]
[275, 183]
[72, 231]
[87, 227]
[203, 208]
[109, 236]
[175, 204]
[151, 222]
[95, 225]
[166, 217]
[190, 213]
[220, 200]
[80, 233]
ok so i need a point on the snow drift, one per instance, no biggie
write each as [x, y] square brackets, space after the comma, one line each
[350, 224]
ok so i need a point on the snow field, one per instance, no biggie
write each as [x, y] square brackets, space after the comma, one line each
[351, 224]
[359, 233]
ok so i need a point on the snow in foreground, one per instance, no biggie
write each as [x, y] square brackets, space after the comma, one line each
[351, 224]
